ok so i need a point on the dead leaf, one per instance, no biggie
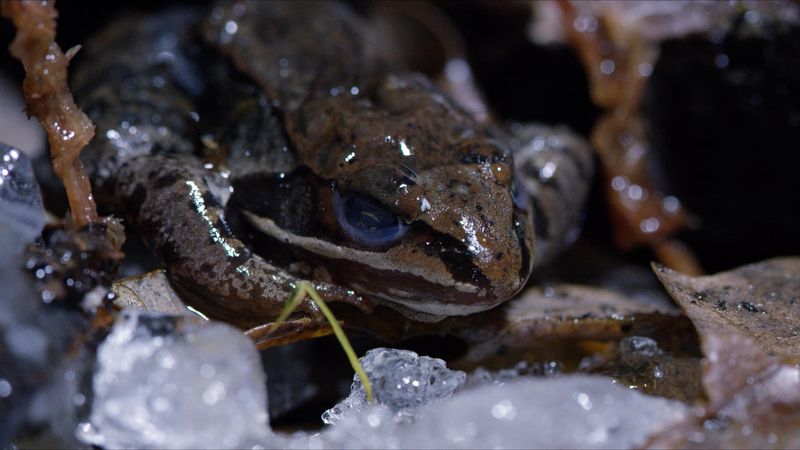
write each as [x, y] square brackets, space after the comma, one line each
[150, 292]
[760, 301]
[754, 401]
[748, 322]
[571, 312]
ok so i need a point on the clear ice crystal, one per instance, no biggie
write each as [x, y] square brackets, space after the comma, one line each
[567, 412]
[571, 411]
[482, 375]
[21, 221]
[163, 381]
[401, 380]
[639, 347]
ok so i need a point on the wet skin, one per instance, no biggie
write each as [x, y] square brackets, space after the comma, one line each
[333, 166]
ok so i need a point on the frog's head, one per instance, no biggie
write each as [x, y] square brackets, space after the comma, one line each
[416, 201]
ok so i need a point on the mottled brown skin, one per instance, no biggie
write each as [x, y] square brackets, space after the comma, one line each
[205, 260]
[453, 182]
[311, 111]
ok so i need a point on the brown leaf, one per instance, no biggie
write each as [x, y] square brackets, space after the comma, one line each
[149, 292]
[754, 401]
[760, 301]
[571, 312]
[748, 322]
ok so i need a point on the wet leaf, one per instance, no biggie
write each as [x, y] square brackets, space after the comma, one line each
[759, 301]
[150, 292]
[748, 322]
[571, 312]
[754, 401]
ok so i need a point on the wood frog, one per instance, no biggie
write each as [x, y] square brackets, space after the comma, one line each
[258, 144]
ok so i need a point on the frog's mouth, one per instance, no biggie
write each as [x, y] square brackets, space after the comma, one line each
[416, 291]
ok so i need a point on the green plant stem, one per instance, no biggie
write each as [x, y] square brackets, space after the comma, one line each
[304, 288]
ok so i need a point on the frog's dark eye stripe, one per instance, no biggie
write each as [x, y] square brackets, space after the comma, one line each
[365, 222]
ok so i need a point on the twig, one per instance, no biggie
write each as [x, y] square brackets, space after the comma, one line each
[49, 99]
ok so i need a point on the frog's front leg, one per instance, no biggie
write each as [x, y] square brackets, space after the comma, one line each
[178, 204]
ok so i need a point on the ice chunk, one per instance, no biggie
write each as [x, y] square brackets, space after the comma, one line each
[32, 338]
[20, 200]
[16, 128]
[574, 411]
[167, 381]
[569, 412]
[634, 348]
[21, 221]
[401, 380]
[481, 375]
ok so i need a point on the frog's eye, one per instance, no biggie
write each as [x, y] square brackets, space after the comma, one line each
[366, 222]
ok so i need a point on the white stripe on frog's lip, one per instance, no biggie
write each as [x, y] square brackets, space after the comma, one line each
[372, 259]
[422, 310]
[431, 311]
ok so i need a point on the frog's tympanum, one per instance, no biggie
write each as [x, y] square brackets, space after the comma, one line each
[257, 144]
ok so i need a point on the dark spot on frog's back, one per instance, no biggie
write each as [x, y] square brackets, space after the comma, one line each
[134, 201]
[164, 180]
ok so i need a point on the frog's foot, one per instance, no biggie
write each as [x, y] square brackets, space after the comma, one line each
[178, 205]
[275, 335]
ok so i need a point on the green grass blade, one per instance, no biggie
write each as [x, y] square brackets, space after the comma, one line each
[302, 289]
[343, 341]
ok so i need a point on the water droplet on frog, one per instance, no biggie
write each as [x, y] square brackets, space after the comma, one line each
[607, 67]
[650, 225]
[547, 172]
[457, 71]
[635, 192]
[585, 24]
[645, 69]
[619, 183]
[231, 27]
[671, 204]
[5, 388]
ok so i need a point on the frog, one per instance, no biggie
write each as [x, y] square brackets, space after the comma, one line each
[258, 145]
